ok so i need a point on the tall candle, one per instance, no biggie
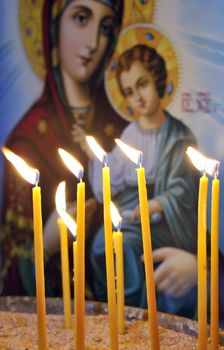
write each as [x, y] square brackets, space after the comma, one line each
[118, 247]
[76, 168]
[39, 269]
[112, 310]
[147, 250]
[65, 273]
[136, 156]
[119, 263]
[214, 324]
[32, 176]
[74, 267]
[70, 223]
[80, 270]
[111, 295]
[202, 263]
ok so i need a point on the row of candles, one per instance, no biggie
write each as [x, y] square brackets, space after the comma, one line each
[116, 324]
[211, 167]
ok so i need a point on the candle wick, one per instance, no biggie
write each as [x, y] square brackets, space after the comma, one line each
[37, 178]
[139, 165]
[80, 175]
[105, 160]
[217, 170]
[140, 159]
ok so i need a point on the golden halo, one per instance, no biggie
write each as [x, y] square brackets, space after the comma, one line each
[145, 34]
[136, 11]
[30, 20]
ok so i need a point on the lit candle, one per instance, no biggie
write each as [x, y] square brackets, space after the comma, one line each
[69, 222]
[207, 166]
[136, 157]
[202, 263]
[214, 298]
[118, 248]
[112, 310]
[32, 176]
[77, 169]
[65, 272]
[214, 323]
[64, 257]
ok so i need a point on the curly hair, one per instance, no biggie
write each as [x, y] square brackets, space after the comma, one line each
[151, 60]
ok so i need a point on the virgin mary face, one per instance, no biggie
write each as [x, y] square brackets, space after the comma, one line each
[85, 30]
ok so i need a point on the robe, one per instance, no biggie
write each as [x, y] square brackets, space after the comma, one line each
[171, 179]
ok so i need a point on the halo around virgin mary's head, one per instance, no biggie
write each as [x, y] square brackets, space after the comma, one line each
[149, 35]
[30, 21]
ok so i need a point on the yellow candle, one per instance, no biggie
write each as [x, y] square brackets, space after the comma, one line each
[80, 270]
[77, 169]
[118, 247]
[65, 272]
[215, 264]
[147, 250]
[112, 310]
[32, 176]
[74, 267]
[39, 269]
[202, 263]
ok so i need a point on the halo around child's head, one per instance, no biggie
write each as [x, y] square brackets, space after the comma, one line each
[149, 35]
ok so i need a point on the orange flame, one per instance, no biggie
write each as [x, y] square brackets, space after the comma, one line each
[61, 208]
[29, 174]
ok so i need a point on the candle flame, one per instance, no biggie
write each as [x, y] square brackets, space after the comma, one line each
[115, 216]
[61, 209]
[60, 197]
[96, 149]
[72, 163]
[202, 163]
[28, 173]
[69, 222]
[134, 154]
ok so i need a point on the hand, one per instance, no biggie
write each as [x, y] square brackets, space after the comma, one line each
[78, 134]
[136, 214]
[154, 206]
[177, 273]
[79, 137]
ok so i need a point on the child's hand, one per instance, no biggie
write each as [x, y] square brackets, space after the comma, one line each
[177, 272]
[153, 206]
[136, 214]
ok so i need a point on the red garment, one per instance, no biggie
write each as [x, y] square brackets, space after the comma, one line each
[37, 137]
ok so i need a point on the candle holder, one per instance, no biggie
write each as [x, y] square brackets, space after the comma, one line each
[54, 306]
